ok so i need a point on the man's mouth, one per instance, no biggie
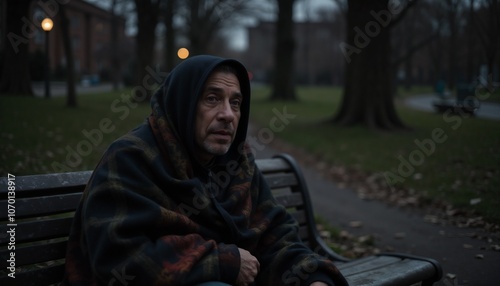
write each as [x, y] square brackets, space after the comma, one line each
[223, 134]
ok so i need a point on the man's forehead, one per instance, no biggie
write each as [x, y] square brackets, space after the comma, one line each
[221, 77]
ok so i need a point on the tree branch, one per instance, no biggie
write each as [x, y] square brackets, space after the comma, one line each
[415, 48]
[401, 15]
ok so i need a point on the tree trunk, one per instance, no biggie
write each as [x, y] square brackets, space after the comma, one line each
[493, 30]
[70, 64]
[170, 38]
[452, 48]
[147, 18]
[115, 62]
[471, 42]
[16, 78]
[283, 78]
[203, 25]
[367, 98]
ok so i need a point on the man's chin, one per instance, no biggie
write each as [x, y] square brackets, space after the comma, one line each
[217, 149]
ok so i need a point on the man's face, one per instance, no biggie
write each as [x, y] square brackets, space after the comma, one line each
[217, 115]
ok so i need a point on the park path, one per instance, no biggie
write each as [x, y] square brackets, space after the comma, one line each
[424, 102]
[466, 260]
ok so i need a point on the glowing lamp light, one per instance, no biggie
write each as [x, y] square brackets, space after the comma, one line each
[183, 53]
[47, 24]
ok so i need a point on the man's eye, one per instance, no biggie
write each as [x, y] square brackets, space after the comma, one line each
[211, 99]
[236, 102]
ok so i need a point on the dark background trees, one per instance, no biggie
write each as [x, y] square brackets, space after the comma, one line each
[15, 74]
[283, 76]
[70, 64]
[147, 19]
[418, 42]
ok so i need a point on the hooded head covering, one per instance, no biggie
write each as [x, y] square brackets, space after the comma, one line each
[174, 104]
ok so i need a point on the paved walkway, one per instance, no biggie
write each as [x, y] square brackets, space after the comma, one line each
[402, 230]
[425, 102]
[59, 88]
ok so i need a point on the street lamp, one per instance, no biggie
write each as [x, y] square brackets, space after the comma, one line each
[183, 53]
[47, 25]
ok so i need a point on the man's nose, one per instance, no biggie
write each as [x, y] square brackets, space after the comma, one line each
[226, 112]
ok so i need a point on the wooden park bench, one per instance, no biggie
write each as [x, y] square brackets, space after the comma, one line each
[44, 207]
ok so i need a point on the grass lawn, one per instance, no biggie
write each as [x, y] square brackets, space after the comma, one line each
[444, 157]
[43, 136]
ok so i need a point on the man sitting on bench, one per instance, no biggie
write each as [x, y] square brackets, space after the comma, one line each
[180, 201]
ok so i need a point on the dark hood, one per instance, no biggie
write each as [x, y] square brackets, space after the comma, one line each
[177, 99]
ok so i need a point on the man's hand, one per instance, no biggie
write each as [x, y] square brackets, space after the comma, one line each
[318, 284]
[249, 268]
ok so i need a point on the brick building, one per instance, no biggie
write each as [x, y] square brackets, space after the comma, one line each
[318, 59]
[90, 32]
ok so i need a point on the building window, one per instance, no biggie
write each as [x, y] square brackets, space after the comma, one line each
[75, 22]
[75, 41]
[77, 65]
[39, 38]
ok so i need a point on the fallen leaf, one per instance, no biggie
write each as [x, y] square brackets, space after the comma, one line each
[475, 201]
[400, 235]
[450, 275]
[325, 234]
[356, 224]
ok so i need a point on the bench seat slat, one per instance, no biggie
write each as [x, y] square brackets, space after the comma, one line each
[383, 270]
[276, 181]
[290, 200]
[273, 165]
[367, 263]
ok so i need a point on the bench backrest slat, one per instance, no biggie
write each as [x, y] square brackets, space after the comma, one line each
[49, 275]
[31, 254]
[43, 206]
[37, 230]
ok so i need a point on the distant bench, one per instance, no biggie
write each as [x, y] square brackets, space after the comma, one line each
[465, 102]
[44, 207]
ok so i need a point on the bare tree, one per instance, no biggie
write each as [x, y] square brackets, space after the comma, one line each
[19, 30]
[147, 19]
[488, 27]
[70, 64]
[170, 37]
[453, 14]
[114, 56]
[283, 77]
[411, 36]
[204, 19]
[368, 91]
